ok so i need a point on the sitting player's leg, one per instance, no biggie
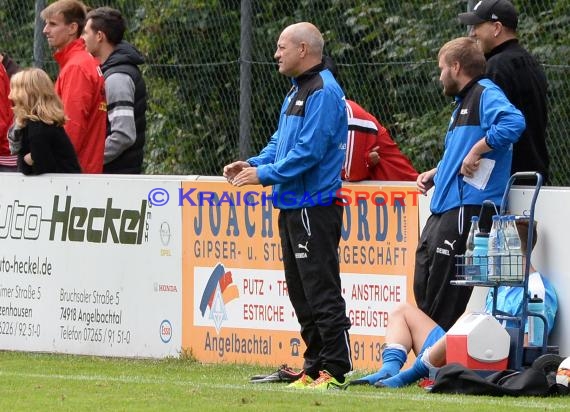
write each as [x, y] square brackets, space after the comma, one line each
[431, 355]
[408, 328]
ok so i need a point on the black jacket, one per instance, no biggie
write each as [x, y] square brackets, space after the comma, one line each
[51, 150]
[126, 59]
[523, 80]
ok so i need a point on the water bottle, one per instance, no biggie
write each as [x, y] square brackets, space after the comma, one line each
[513, 242]
[535, 325]
[480, 256]
[496, 250]
[506, 259]
[470, 245]
[469, 270]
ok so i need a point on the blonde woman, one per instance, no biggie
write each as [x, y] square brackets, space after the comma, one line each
[38, 111]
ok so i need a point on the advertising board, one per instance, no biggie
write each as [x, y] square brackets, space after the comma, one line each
[89, 266]
[235, 305]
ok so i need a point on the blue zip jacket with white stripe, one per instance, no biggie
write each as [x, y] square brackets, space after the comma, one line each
[482, 110]
[304, 157]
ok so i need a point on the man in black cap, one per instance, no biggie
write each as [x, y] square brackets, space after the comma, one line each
[494, 23]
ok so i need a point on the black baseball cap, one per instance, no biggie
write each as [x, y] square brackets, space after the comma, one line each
[491, 10]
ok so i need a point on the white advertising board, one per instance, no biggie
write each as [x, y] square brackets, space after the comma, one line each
[88, 266]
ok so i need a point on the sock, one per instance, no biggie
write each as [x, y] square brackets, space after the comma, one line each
[393, 358]
[420, 369]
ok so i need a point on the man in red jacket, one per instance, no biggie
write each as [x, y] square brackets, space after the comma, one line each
[80, 83]
[371, 154]
[7, 160]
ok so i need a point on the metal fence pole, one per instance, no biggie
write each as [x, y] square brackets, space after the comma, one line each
[245, 79]
[38, 35]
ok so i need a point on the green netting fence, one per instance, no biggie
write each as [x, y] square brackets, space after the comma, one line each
[215, 92]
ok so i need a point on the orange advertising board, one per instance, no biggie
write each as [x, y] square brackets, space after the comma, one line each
[235, 306]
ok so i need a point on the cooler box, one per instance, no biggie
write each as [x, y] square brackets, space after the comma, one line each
[478, 341]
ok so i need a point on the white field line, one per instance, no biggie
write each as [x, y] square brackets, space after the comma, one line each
[538, 403]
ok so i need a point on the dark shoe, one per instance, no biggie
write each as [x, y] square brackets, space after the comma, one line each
[288, 374]
[283, 374]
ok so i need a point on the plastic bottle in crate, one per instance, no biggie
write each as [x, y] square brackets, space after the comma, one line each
[480, 256]
[514, 248]
[469, 271]
[497, 250]
[505, 260]
[470, 245]
[535, 325]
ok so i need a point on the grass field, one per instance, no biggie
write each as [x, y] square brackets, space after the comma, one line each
[46, 382]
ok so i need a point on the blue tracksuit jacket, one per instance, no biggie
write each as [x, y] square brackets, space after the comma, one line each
[304, 157]
[482, 109]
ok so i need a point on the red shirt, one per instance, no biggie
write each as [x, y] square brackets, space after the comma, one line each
[365, 133]
[6, 118]
[81, 86]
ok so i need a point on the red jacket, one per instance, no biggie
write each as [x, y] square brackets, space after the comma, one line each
[6, 117]
[364, 134]
[81, 86]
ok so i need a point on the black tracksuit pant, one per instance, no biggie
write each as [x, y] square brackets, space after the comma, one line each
[442, 239]
[310, 239]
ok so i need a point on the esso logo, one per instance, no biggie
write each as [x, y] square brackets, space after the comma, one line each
[165, 331]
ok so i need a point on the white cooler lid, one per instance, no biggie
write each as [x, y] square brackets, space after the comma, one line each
[487, 340]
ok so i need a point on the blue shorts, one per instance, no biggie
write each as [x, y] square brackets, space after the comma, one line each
[436, 334]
